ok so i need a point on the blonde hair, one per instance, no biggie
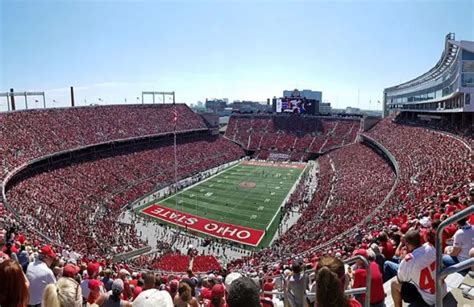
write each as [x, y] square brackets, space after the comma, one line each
[65, 293]
[329, 283]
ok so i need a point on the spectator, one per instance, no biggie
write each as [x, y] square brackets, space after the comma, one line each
[330, 281]
[108, 281]
[377, 294]
[66, 292]
[92, 273]
[148, 280]
[462, 244]
[153, 298]
[415, 279]
[112, 297]
[40, 275]
[184, 297]
[14, 289]
[243, 293]
[218, 296]
[296, 286]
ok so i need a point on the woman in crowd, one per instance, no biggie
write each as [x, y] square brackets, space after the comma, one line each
[14, 289]
[184, 297]
[66, 292]
[330, 280]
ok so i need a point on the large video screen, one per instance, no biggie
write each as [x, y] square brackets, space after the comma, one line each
[295, 105]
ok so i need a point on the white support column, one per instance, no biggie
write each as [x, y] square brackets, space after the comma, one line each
[26, 101]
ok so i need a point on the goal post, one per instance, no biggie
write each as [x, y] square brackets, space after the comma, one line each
[11, 105]
[162, 94]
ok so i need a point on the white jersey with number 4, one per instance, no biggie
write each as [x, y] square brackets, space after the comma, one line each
[418, 268]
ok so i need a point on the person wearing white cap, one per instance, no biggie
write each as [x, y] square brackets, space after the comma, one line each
[230, 278]
[153, 298]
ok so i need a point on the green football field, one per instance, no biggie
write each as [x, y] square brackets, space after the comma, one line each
[243, 195]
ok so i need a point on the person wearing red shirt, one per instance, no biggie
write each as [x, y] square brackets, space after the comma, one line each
[377, 294]
[268, 286]
[385, 246]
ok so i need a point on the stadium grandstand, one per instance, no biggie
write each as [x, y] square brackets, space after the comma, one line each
[150, 205]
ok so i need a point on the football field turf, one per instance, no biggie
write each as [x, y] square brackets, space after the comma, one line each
[249, 196]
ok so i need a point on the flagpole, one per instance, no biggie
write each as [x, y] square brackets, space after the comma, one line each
[175, 113]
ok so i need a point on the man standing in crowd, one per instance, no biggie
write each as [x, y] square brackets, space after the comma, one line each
[296, 286]
[40, 275]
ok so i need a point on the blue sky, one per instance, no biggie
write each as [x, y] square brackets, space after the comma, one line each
[235, 49]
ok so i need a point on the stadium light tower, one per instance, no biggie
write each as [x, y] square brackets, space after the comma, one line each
[164, 94]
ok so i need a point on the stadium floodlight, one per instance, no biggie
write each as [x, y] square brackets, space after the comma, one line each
[164, 94]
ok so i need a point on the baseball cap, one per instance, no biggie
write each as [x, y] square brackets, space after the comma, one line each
[425, 222]
[92, 268]
[361, 252]
[117, 285]
[124, 272]
[70, 270]
[230, 278]
[152, 298]
[218, 291]
[46, 250]
[206, 293]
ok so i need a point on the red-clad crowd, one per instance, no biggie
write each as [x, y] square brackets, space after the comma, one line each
[290, 134]
[176, 262]
[91, 193]
[360, 207]
[25, 135]
[359, 181]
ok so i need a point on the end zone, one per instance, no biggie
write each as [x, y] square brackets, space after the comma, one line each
[235, 233]
[272, 164]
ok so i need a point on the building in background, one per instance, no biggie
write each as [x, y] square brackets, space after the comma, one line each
[247, 106]
[446, 88]
[216, 105]
[325, 108]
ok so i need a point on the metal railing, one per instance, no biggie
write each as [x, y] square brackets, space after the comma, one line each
[440, 273]
[309, 294]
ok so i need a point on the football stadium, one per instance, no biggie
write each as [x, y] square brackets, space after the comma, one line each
[292, 200]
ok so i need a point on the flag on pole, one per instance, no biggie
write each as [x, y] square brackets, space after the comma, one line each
[175, 117]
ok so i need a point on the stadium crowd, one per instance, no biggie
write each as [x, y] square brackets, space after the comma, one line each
[432, 183]
[359, 180]
[286, 134]
[92, 193]
[26, 135]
